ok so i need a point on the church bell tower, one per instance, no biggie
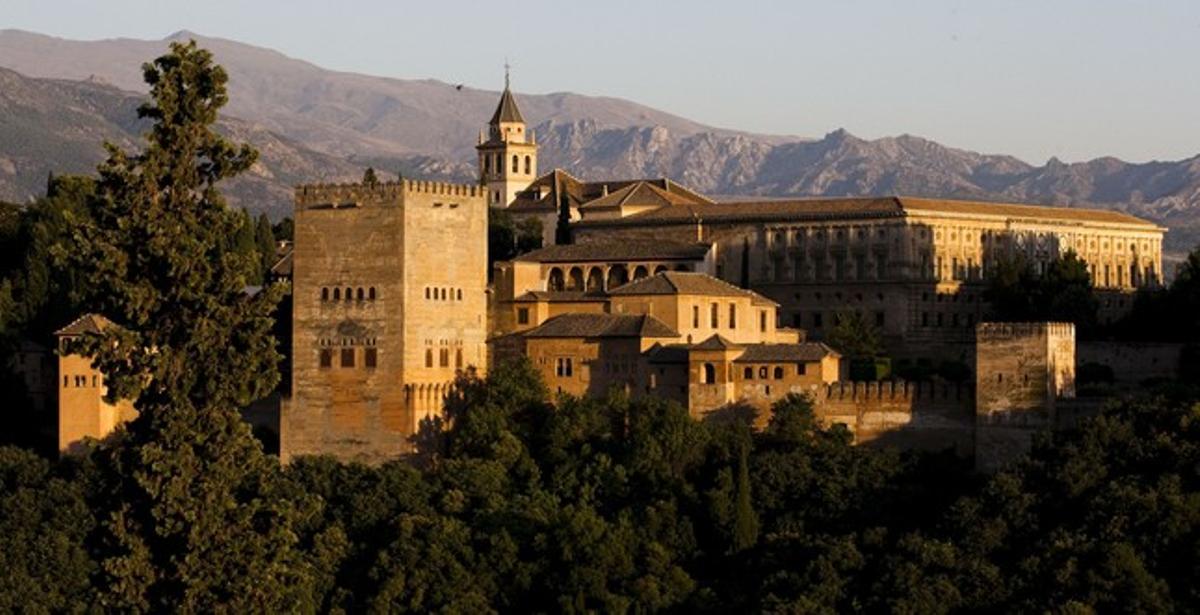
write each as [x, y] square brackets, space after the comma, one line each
[507, 153]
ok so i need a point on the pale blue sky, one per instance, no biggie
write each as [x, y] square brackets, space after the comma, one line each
[1069, 78]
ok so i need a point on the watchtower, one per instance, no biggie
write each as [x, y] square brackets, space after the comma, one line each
[1022, 369]
[507, 153]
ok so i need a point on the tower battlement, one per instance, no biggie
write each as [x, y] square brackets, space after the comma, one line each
[335, 195]
[996, 331]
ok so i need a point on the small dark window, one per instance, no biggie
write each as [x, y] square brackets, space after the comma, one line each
[349, 294]
[324, 294]
[460, 294]
[361, 294]
[426, 292]
[762, 321]
[370, 357]
[710, 374]
[371, 293]
[522, 316]
[516, 162]
[444, 357]
[528, 165]
[732, 315]
[347, 357]
[458, 359]
[337, 294]
[779, 373]
[715, 316]
[801, 369]
[696, 316]
[326, 357]
[428, 357]
[748, 373]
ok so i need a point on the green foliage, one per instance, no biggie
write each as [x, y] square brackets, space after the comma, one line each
[285, 229]
[854, 336]
[369, 178]
[1017, 292]
[1171, 315]
[193, 525]
[508, 238]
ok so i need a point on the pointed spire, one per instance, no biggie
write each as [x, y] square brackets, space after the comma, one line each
[507, 110]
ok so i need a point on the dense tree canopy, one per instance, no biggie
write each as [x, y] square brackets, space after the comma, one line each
[1063, 291]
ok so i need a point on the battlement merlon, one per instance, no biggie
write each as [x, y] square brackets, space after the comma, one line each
[1013, 330]
[334, 196]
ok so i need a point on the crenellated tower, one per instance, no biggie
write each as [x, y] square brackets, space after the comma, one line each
[507, 152]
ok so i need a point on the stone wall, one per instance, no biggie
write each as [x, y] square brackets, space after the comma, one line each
[1133, 362]
[368, 367]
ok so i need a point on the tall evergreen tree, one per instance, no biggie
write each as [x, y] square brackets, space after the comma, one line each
[264, 237]
[188, 521]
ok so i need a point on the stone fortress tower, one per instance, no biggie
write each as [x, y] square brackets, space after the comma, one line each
[389, 291]
[507, 153]
[1022, 371]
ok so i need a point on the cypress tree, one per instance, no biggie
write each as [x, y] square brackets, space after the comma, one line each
[189, 519]
[264, 237]
[745, 519]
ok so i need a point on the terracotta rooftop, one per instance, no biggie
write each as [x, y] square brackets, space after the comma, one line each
[638, 194]
[865, 207]
[602, 325]
[617, 251]
[543, 193]
[785, 353]
[88, 323]
[686, 283]
[716, 342]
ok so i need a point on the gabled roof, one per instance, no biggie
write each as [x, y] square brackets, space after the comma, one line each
[543, 193]
[283, 266]
[88, 323]
[716, 342]
[602, 325]
[686, 283]
[785, 353]
[507, 110]
[638, 194]
[632, 250]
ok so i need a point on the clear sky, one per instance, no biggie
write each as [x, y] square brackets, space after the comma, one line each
[1069, 78]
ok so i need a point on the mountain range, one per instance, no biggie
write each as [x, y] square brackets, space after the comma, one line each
[60, 98]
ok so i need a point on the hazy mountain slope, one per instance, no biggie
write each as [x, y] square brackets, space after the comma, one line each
[59, 126]
[428, 128]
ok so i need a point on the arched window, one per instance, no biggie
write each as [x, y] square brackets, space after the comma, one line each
[659, 269]
[710, 374]
[325, 294]
[617, 276]
[595, 280]
[528, 165]
[779, 373]
[555, 282]
[349, 294]
[337, 294]
[361, 294]
[516, 164]
[371, 293]
[640, 272]
[575, 279]
[428, 357]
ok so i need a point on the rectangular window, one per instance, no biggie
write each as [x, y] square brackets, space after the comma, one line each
[562, 367]
[326, 357]
[762, 321]
[715, 318]
[732, 315]
[444, 357]
[522, 316]
[801, 369]
[347, 357]
[370, 358]
[695, 317]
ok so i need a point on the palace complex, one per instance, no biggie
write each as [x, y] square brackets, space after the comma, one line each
[646, 286]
